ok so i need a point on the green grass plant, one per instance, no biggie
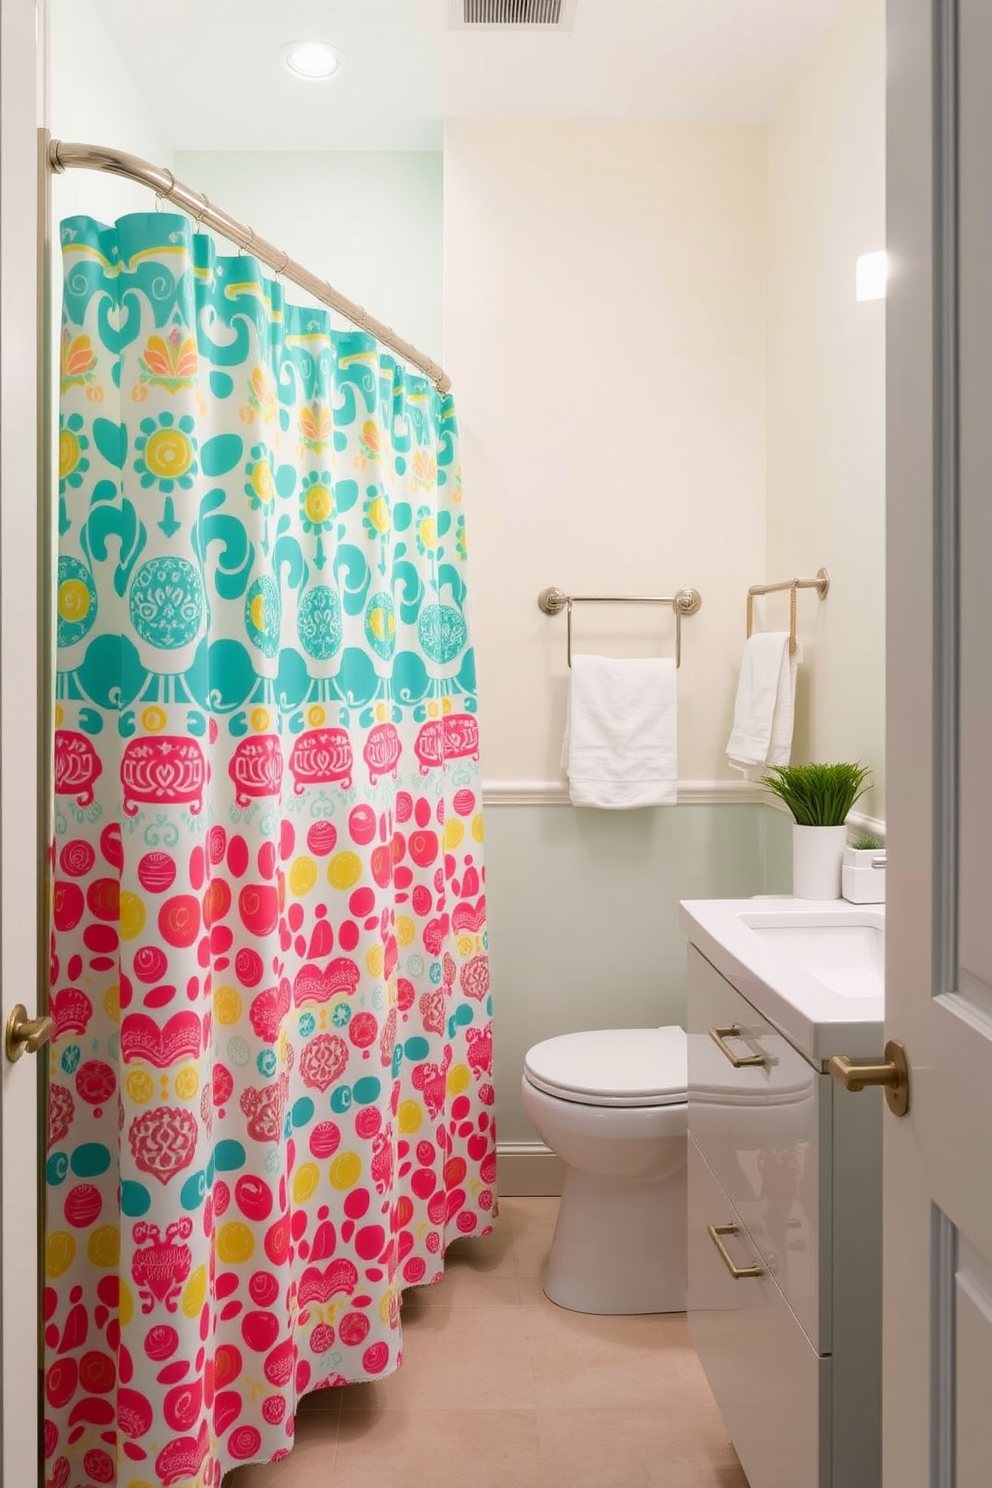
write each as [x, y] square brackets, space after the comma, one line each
[819, 795]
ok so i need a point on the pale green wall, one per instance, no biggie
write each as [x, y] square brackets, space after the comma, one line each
[369, 221]
[583, 916]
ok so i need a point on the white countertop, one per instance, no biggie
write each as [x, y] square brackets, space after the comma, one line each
[818, 1019]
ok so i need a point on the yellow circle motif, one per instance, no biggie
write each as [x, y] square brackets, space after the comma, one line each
[305, 1181]
[195, 1293]
[386, 1307]
[374, 961]
[60, 1252]
[459, 1079]
[132, 915]
[261, 481]
[235, 1244]
[104, 1248]
[260, 719]
[405, 930]
[346, 1169]
[59, 715]
[187, 1082]
[112, 1003]
[446, 705]
[428, 533]
[453, 833]
[125, 1304]
[317, 504]
[380, 712]
[432, 710]
[154, 720]
[409, 1116]
[74, 600]
[168, 454]
[378, 514]
[316, 715]
[256, 612]
[68, 453]
[478, 828]
[302, 876]
[344, 870]
[140, 1086]
[227, 1005]
[466, 945]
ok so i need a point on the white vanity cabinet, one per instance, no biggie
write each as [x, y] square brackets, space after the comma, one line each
[784, 1245]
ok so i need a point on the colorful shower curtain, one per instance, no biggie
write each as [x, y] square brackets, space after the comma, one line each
[271, 1104]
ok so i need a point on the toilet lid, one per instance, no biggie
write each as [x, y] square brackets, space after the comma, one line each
[612, 1067]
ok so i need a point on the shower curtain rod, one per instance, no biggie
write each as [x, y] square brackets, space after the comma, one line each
[65, 156]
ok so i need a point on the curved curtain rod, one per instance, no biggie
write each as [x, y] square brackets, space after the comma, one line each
[65, 156]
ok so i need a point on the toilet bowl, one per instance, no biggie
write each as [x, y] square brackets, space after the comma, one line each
[612, 1105]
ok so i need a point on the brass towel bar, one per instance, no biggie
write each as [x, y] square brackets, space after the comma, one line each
[686, 602]
[821, 584]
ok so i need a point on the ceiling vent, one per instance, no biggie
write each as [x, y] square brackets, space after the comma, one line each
[512, 15]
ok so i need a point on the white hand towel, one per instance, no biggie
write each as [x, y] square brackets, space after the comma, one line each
[765, 706]
[620, 738]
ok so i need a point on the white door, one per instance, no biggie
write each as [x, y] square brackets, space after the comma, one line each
[937, 1291]
[21, 868]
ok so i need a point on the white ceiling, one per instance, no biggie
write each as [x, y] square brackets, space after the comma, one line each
[216, 82]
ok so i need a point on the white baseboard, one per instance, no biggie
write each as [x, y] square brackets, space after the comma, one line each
[528, 1169]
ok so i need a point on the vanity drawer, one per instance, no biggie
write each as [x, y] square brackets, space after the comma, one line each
[761, 1125]
[772, 1388]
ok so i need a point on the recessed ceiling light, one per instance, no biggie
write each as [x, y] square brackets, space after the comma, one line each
[314, 61]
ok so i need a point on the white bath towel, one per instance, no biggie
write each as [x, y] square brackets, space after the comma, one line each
[620, 746]
[765, 707]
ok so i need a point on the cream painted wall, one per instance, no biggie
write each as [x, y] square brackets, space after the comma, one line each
[369, 221]
[826, 387]
[605, 328]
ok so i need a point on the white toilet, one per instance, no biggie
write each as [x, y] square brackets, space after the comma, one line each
[612, 1105]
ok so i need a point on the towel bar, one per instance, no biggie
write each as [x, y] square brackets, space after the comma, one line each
[821, 584]
[686, 602]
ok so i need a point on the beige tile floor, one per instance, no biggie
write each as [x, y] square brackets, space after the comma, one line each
[502, 1389]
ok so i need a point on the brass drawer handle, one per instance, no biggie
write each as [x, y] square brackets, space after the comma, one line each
[739, 1273]
[737, 1060]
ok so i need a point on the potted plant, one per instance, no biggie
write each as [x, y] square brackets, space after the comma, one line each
[864, 850]
[819, 798]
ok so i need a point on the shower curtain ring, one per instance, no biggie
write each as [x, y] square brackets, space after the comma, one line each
[198, 216]
[281, 269]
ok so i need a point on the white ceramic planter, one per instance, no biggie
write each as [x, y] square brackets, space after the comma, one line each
[817, 853]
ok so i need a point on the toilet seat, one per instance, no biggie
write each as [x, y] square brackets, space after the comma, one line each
[612, 1067]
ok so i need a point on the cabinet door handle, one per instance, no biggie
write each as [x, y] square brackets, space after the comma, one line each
[737, 1060]
[739, 1273]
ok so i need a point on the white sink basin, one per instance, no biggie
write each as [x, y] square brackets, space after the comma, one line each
[815, 969]
[848, 955]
